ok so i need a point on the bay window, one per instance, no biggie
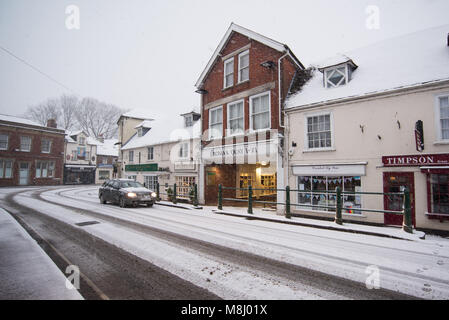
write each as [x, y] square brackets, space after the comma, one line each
[260, 111]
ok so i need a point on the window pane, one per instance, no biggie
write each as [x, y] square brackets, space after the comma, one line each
[244, 74]
[304, 184]
[439, 193]
[444, 102]
[3, 141]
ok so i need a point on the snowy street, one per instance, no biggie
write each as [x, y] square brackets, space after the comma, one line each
[166, 252]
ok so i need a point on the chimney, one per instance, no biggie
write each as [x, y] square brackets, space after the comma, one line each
[51, 123]
[101, 138]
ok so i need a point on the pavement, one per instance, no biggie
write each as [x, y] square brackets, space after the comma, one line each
[258, 214]
[26, 271]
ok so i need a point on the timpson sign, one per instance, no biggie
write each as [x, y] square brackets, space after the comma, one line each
[416, 160]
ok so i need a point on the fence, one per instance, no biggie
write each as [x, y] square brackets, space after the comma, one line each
[173, 194]
[339, 207]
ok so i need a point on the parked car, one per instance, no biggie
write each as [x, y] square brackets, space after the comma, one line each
[126, 192]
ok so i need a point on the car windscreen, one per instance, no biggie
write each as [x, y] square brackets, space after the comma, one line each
[131, 184]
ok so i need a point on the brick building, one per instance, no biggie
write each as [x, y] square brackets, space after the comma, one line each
[30, 154]
[242, 89]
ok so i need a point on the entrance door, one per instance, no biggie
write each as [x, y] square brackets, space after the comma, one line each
[23, 173]
[396, 182]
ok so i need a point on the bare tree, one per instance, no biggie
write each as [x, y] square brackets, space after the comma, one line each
[68, 105]
[46, 110]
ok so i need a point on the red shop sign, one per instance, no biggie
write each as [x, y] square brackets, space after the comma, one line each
[416, 160]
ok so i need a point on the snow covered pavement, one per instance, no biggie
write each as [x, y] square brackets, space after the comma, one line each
[417, 268]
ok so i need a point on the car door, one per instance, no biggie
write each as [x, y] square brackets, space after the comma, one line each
[115, 193]
[106, 191]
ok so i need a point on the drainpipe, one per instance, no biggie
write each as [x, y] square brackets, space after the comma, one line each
[279, 87]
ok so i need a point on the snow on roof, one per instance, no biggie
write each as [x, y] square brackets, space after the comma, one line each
[5, 117]
[145, 124]
[250, 34]
[89, 140]
[108, 148]
[137, 114]
[400, 62]
[165, 130]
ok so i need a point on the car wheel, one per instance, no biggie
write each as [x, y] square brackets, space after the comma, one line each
[149, 205]
[102, 201]
[122, 202]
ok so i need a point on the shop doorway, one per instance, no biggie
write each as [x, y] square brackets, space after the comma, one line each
[396, 182]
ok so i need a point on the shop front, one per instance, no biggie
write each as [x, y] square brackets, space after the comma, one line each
[79, 174]
[186, 176]
[240, 166]
[427, 178]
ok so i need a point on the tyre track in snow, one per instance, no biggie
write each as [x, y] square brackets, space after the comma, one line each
[118, 274]
[322, 281]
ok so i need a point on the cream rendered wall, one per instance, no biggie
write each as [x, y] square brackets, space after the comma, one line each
[70, 147]
[379, 117]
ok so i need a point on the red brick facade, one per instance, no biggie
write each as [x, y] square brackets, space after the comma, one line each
[12, 153]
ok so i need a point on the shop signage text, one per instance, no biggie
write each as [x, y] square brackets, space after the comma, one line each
[415, 160]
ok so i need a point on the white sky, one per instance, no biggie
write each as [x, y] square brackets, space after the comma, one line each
[149, 54]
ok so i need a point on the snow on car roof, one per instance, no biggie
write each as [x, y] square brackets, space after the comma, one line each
[406, 61]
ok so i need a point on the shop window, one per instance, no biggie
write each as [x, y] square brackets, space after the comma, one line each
[150, 182]
[5, 169]
[268, 182]
[260, 111]
[316, 187]
[4, 141]
[439, 193]
[25, 144]
[235, 118]
[103, 175]
[319, 135]
[46, 146]
[184, 185]
[228, 80]
[246, 180]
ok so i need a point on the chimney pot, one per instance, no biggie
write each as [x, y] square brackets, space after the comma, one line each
[51, 123]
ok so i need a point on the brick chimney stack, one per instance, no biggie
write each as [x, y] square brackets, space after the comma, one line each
[51, 123]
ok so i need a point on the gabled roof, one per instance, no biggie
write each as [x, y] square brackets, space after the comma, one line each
[403, 62]
[136, 114]
[250, 34]
[8, 118]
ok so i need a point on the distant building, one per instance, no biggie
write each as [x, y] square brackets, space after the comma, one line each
[80, 158]
[107, 156]
[30, 154]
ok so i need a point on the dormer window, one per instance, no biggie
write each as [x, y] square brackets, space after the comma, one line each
[140, 131]
[336, 77]
[188, 120]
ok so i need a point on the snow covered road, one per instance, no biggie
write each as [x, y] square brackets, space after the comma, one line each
[236, 258]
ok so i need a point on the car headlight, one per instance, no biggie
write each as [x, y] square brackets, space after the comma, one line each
[153, 194]
[131, 195]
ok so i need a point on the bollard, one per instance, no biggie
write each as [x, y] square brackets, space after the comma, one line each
[220, 198]
[158, 193]
[287, 202]
[195, 195]
[407, 221]
[250, 199]
[338, 219]
[174, 194]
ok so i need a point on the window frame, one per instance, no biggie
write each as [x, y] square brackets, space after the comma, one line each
[328, 84]
[3, 168]
[251, 114]
[131, 155]
[210, 124]
[306, 131]
[152, 153]
[49, 145]
[225, 63]
[49, 167]
[188, 120]
[31, 142]
[228, 118]
[7, 141]
[244, 53]
[181, 150]
[439, 135]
